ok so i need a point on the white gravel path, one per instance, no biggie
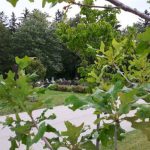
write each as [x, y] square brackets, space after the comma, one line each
[63, 114]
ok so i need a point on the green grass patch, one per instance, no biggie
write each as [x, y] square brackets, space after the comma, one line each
[134, 140]
[55, 98]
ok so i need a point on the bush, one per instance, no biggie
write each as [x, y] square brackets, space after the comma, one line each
[53, 87]
[69, 88]
[79, 89]
[37, 67]
[65, 88]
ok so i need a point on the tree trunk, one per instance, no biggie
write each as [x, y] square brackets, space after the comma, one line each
[97, 140]
[116, 137]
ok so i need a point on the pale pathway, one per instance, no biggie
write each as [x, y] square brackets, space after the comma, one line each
[63, 114]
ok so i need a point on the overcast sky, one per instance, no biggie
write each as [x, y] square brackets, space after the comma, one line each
[125, 18]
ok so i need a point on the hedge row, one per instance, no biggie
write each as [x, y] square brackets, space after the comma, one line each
[69, 88]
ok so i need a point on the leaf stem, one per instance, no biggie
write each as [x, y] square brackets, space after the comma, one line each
[43, 138]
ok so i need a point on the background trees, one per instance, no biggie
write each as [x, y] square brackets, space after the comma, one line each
[5, 41]
[35, 36]
[35, 39]
[87, 30]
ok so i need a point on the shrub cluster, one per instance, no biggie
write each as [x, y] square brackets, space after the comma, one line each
[69, 88]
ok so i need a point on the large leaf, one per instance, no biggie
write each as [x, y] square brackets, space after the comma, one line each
[143, 47]
[145, 36]
[73, 132]
[75, 102]
[25, 129]
[144, 111]
[13, 2]
[116, 88]
[127, 97]
[23, 62]
[49, 128]
[40, 134]
[88, 146]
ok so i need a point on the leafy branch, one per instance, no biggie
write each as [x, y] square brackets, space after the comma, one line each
[118, 4]
[93, 6]
[43, 138]
[121, 73]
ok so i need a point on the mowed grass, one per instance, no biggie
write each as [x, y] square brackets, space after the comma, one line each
[54, 98]
[134, 140]
[57, 97]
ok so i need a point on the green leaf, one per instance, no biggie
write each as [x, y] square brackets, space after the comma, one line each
[98, 120]
[128, 96]
[34, 106]
[144, 111]
[53, 116]
[75, 102]
[40, 134]
[49, 128]
[43, 3]
[124, 109]
[9, 121]
[145, 36]
[102, 47]
[88, 2]
[116, 89]
[13, 2]
[25, 129]
[73, 132]
[88, 146]
[14, 145]
[24, 62]
[143, 47]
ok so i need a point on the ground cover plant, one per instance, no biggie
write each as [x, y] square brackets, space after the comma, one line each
[119, 76]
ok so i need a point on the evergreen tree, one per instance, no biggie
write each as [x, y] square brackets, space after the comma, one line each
[13, 23]
[5, 50]
[3, 18]
[25, 15]
[35, 39]
[58, 16]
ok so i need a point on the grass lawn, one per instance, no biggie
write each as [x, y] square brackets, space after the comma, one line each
[55, 98]
[134, 140]
[58, 97]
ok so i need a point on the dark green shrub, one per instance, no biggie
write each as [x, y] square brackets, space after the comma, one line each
[79, 89]
[53, 87]
[38, 68]
[65, 88]
[69, 88]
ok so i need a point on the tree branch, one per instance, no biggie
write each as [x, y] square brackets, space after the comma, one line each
[119, 5]
[129, 9]
[121, 73]
[94, 6]
[43, 138]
